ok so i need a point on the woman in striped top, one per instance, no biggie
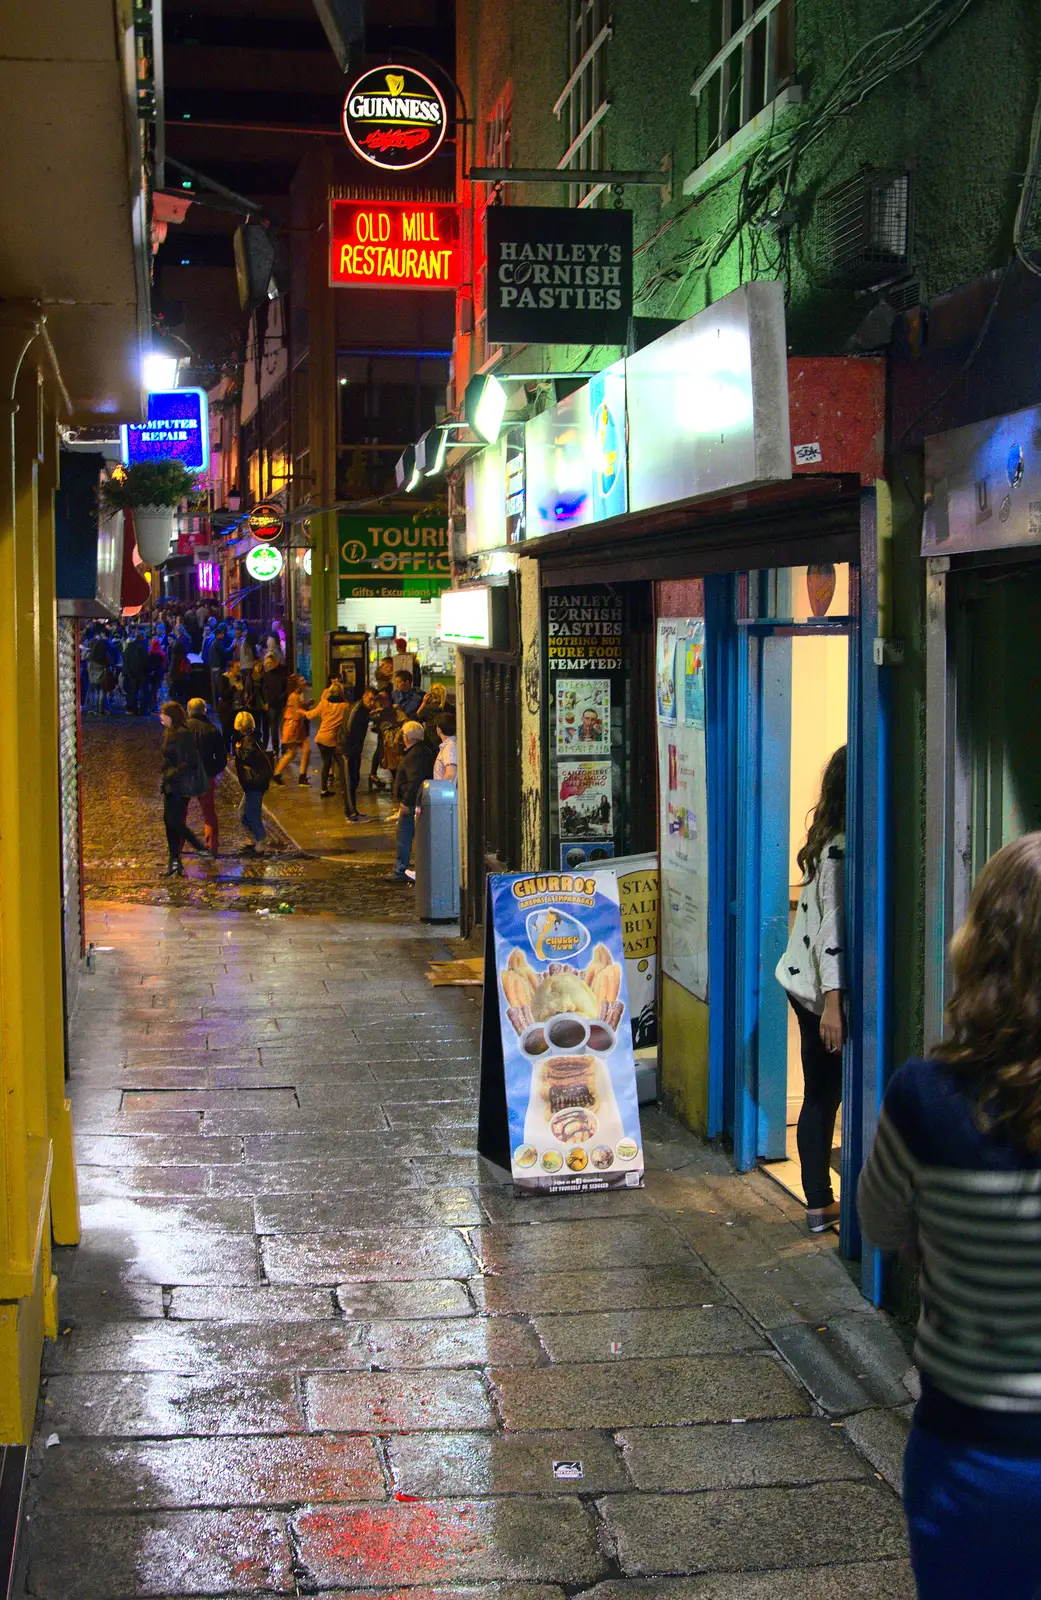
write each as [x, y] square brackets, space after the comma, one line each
[955, 1176]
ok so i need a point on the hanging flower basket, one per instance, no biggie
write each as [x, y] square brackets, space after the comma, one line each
[154, 529]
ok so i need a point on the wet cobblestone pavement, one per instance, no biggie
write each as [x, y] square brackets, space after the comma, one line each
[318, 862]
[311, 1344]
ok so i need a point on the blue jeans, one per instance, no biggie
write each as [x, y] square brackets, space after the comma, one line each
[251, 814]
[973, 1519]
[406, 834]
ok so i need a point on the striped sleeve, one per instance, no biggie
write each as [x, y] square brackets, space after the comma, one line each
[886, 1192]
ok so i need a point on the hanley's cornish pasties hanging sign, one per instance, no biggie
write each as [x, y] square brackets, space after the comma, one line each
[394, 117]
[558, 276]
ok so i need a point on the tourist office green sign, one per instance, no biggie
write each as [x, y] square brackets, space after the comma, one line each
[393, 557]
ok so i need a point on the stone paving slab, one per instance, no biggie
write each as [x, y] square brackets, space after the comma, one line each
[136, 1150]
[129, 1298]
[476, 1464]
[165, 1553]
[740, 1529]
[110, 1255]
[390, 1402]
[186, 1473]
[404, 1298]
[198, 1347]
[475, 1342]
[739, 1455]
[579, 1246]
[623, 1335]
[164, 1404]
[883, 1580]
[541, 1293]
[366, 1255]
[490, 1539]
[151, 1215]
[259, 1304]
[647, 1393]
[297, 1213]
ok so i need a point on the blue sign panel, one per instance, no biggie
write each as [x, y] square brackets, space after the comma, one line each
[559, 1040]
[178, 429]
[607, 412]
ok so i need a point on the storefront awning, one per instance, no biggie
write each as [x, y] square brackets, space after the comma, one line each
[803, 520]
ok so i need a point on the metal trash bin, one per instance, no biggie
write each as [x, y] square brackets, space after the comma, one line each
[437, 852]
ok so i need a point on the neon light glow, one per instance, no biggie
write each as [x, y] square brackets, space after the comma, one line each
[207, 574]
[395, 244]
[264, 562]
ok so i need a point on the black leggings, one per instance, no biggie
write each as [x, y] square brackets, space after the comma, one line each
[331, 757]
[175, 809]
[822, 1096]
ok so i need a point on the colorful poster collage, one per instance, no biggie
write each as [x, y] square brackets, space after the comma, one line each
[680, 694]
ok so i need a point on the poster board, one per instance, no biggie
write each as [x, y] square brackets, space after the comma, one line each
[558, 1080]
[683, 800]
[639, 882]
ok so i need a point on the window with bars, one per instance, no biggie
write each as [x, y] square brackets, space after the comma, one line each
[747, 80]
[862, 228]
[583, 104]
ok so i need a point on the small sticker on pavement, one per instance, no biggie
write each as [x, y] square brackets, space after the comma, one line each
[568, 1469]
[616, 1348]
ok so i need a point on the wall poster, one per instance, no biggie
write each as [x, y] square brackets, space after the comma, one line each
[588, 852]
[680, 684]
[584, 795]
[558, 1080]
[583, 716]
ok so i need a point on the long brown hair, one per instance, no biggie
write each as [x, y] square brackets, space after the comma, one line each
[994, 1014]
[829, 816]
[177, 714]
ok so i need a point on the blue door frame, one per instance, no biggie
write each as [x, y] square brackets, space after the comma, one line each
[736, 729]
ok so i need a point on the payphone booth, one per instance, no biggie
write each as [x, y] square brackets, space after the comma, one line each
[347, 658]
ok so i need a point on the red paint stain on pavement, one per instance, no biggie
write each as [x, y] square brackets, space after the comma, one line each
[414, 1540]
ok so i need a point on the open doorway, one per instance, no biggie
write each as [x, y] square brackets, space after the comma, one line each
[803, 697]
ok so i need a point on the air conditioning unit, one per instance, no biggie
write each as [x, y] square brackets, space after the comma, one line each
[862, 229]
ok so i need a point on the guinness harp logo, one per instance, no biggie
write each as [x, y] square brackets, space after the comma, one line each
[395, 82]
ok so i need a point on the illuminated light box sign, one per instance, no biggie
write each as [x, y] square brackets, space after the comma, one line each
[575, 457]
[394, 118]
[466, 616]
[207, 575]
[264, 562]
[374, 550]
[394, 244]
[557, 276]
[707, 403]
[266, 522]
[178, 429]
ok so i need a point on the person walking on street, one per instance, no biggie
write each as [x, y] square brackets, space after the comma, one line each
[183, 777]
[353, 731]
[135, 664]
[812, 974]
[214, 757]
[275, 690]
[330, 711]
[417, 764]
[155, 669]
[954, 1180]
[296, 731]
[254, 772]
[231, 699]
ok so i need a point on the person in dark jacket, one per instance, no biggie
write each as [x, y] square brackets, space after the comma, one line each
[416, 765]
[254, 770]
[214, 757]
[353, 732]
[135, 662]
[275, 692]
[231, 699]
[183, 777]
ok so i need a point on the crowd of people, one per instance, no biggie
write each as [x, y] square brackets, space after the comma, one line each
[225, 695]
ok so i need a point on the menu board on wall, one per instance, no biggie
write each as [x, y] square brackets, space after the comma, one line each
[558, 1097]
[682, 788]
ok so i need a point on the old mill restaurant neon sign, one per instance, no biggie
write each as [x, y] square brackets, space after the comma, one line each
[394, 244]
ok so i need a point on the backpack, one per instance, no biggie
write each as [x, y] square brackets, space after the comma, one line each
[212, 752]
[195, 781]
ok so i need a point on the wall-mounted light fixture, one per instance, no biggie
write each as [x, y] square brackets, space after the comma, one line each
[484, 406]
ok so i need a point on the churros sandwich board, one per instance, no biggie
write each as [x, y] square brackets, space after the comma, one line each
[558, 1082]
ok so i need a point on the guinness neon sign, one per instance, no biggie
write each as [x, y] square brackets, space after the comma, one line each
[394, 118]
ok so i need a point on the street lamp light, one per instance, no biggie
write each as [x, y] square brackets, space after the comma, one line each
[406, 472]
[484, 406]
